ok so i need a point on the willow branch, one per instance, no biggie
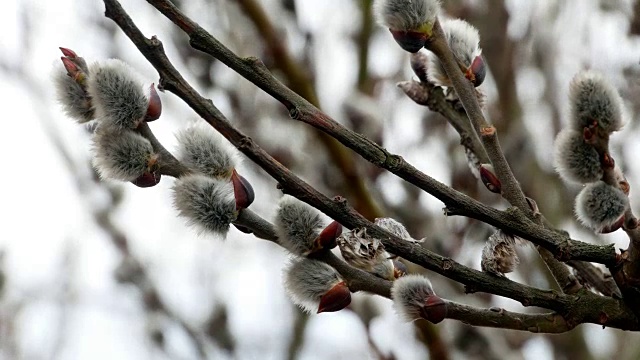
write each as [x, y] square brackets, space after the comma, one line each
[511, 190]
[335, 208]
[563, 247]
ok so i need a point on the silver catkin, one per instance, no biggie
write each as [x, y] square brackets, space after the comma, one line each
[593, 98]
[75, 101]
[574, 160]
[297, 225]
[306, 281]
[405, 15]
[120, 155]
[207, 203]
[409, 294]
[202, 148]
[117, 94]
[600, 205]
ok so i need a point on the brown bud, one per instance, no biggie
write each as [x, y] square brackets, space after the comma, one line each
[489, 178]
[589, 134]
[68, 53]
[242, 190]
[613, 227]
[148, 179]
[336, 299]
[419, 65]
[154, 110]
[477, 71]
[434, 310]
[399, 269]
[327, 238]
[411, 41]
[72, 69]
[607, 161]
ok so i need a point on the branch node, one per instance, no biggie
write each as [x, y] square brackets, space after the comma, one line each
[487, 130]
[294, 113]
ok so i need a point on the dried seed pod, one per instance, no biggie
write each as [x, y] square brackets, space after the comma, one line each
[410, 21]
[202, 148]
[122, 155]
[600, 206]
[413, 298]
[366, 253]
[575, 160]
[594, 101]
[207, 203]
[499, 254]
[315, 286]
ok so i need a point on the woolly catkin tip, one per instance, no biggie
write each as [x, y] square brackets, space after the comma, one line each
[394, 227]
[206, 203]
[74, 99]
[297, 225]
[117, 94]
[463, 40]
[307, 281]
[599, 205]
[409, 294]
[499, 254]
[202, 148]
[121, 155]
[406, 15]
[574, 159]
[594, 100]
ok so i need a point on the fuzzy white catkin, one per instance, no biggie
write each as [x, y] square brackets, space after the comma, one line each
[463, 40]
[117, 94]
[202, 148]
[499, 254]
[593, 98]
[306, 281]
[75, 102]
[406, 15]
[600, 205]
[409, 294]
[208, 204]
[121, 155]
[297, 225]
[574, 160]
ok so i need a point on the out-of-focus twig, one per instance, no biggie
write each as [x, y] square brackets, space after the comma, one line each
[300, 83]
